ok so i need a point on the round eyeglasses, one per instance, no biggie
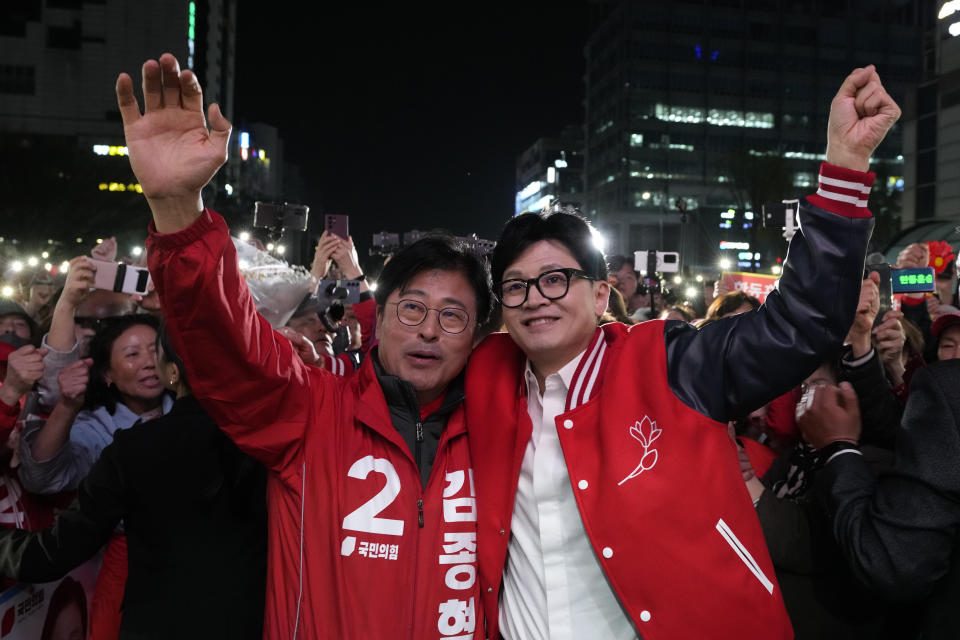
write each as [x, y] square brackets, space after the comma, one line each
[413, 312]
[552, 285]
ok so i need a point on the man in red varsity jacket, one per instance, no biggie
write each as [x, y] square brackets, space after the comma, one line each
[371, 501]
[611, 501]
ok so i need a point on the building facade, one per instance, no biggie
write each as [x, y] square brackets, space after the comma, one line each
[59, 61]
[720, 107]
[932, 126]
[551, 170]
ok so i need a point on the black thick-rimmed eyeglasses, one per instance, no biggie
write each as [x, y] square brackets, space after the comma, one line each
[552, 285]
[413, 312]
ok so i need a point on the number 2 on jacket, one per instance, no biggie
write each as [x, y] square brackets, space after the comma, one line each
[365, 517]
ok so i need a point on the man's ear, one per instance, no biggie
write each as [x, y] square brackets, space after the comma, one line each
[602, 293]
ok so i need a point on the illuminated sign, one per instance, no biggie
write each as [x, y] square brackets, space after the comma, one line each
[119, 186]
[110, 150]
[915, 278]
[244, 145]
[191, 31]
[530, 190]
[739, 246]
[728, 214]
[948, 9]
[551, 175]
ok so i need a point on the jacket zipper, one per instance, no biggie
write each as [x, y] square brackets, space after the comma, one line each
[419, 439]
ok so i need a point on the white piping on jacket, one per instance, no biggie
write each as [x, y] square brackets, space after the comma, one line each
[748, 560]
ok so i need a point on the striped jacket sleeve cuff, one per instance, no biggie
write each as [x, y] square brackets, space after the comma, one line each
[843, 191]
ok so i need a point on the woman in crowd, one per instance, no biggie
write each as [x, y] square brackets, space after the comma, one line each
[121, 388]
[194, 511]
[117, 387]
[729, 304]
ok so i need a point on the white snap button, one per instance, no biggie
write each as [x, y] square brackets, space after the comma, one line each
[568, 424]
[490, 590]
[582, 484]
[502, 531]
[607, 552]
[645, 616]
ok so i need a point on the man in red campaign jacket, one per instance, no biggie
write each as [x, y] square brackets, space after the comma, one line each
[611, 501]
[371, 499]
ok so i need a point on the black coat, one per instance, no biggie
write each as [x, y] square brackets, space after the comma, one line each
[899, 532]
[194, 510]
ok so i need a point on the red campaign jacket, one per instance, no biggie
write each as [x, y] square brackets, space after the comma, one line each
[348, 557]
[643, 434]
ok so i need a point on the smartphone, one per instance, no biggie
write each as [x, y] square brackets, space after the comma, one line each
[117, 276]
[337, 224]
[886, 291]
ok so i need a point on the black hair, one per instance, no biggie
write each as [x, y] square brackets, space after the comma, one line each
[165, 346]
[436, 252]
[569, 229]
[616, 262]
[101, 347]
[68, 592]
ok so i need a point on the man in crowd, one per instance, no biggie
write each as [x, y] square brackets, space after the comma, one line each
[611, 500]
[899, 531]
[371, 500]
[15, 320]
[946, 329]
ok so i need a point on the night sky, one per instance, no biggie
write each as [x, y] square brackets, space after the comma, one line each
[406, 118]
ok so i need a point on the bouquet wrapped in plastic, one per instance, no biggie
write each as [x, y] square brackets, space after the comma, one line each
[277, 287]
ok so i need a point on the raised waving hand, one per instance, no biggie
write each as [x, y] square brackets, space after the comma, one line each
[172, 152]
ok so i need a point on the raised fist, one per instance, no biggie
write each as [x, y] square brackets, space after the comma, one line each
[860, 115]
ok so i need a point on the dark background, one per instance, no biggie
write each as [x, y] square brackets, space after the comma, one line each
[409, 118]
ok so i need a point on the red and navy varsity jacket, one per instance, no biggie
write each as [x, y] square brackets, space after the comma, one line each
[643, 434]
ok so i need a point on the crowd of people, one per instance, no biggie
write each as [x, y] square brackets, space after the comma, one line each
[533, 446]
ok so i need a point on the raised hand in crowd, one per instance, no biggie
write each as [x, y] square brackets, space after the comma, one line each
[833, 416]
[890, 338]
[936, 308]
[345, 253]
[80, 277]
[302, 345]
[106, 250]
[913, 256]
[73, 381]
[860, 115]
[172, 152]
[721, 288]
[24, 368]
[323, 254]
[867, 307]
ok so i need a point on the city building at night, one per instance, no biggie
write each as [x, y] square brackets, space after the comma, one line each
[550, 170]
[59, 61]
[931, 125]
[720, 107]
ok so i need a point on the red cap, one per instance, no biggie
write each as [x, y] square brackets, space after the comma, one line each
[943, 322]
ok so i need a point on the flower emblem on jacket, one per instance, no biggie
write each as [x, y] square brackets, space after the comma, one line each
[645, 432]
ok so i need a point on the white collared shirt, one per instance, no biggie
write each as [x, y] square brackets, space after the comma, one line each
[553, 584]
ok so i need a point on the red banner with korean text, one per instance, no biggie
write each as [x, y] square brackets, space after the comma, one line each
[758, 285]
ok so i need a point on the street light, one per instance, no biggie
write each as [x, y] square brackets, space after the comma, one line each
[724, 264]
